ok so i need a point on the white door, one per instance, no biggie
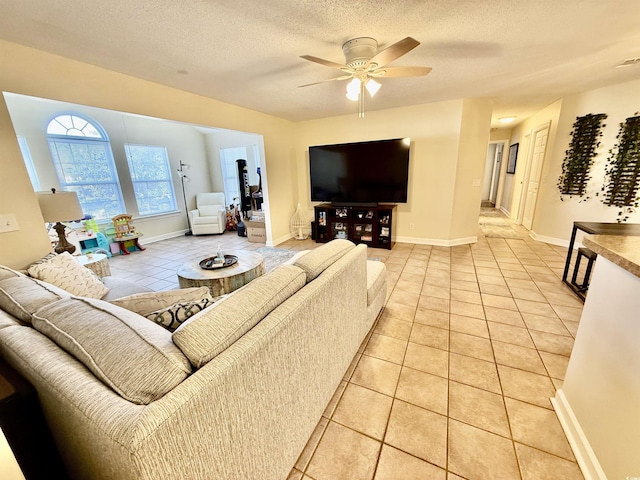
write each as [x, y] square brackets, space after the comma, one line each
[497, 159]
[537, 157]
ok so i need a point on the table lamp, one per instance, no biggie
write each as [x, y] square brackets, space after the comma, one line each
[60, 207]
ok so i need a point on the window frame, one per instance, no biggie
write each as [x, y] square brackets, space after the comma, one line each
[56, 140]
[168, 178]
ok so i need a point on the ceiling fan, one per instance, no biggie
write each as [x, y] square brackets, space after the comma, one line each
[363, 64]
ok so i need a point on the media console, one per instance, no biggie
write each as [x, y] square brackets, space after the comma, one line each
[360, 224]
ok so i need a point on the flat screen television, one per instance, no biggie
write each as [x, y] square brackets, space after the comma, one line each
[361, 173]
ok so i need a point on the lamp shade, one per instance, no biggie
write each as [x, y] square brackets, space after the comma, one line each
[59, 206]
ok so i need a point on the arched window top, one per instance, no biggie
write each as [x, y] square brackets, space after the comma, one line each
[71, 125]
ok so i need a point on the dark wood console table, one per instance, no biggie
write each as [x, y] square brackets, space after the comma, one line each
[598, 228]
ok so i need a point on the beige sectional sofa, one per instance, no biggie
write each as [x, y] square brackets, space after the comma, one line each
[233, 393]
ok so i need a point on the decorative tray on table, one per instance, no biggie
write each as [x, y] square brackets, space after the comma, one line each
[210, 264]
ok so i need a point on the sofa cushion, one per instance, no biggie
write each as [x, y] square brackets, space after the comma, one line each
[119, 287]
[21, 296]
[376, 272]
[63, 271]
[127, 352]
[209, 210]
[317, 260]
[148, 302]
[210, 332]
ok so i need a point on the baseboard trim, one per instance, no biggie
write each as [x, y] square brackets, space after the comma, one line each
[582, 450]
[437, 242]
[279, 240]
[164, 236]
[553, 241]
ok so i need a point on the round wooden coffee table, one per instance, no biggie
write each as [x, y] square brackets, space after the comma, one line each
[224, 280]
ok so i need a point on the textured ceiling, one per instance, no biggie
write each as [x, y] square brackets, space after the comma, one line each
[523, 55]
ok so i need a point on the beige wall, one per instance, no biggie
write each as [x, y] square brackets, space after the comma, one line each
[442, 135]
[474, 140]
[554, 218]
[32, 72]
[512, 184]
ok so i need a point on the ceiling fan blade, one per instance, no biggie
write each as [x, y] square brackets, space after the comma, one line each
[390, 72]
[394, 51]
[322, 61]
[343, 77]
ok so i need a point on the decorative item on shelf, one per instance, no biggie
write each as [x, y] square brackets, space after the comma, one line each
[579, 157]
[622, 172]
[300, 224]
[60, 207]
[183, 176]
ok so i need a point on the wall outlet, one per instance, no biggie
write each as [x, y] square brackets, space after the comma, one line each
[476, 182]
[8, 223]
[412, 226]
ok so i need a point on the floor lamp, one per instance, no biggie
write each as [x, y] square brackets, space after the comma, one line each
[60, 207]
[183, 177]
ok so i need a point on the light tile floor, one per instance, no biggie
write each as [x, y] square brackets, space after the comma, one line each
[454, 381]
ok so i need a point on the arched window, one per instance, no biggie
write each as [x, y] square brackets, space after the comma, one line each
[83, 159]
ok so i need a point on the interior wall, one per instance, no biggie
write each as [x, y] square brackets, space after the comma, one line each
[501, 135]
[513, 183]
[554, 217]
[225, 139]
[30, 116]
[32, 72]
[434, 130]
[470, 165]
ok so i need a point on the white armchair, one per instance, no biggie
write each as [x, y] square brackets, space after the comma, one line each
[210, 215]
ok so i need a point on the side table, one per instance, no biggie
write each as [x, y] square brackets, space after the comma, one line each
[98, 263]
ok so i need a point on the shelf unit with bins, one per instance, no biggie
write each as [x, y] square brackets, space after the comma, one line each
[370, 225]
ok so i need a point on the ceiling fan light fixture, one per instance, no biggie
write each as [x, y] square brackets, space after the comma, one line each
[353, 89]
[372, 86]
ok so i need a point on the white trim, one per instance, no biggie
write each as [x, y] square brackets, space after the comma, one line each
[279, 240]
[437, 242]
[554, 241]
[585, 455]
[145, 240]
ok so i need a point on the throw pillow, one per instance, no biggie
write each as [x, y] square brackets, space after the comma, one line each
[64, 272]
[173, 316]
[151, 302]
[209, 333]
[125, 351]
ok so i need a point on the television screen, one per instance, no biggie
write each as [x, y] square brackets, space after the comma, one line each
[360, 173]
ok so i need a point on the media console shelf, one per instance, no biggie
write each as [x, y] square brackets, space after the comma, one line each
[371, 225]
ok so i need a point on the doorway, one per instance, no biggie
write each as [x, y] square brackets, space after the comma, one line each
[492, 173]
[533, 171]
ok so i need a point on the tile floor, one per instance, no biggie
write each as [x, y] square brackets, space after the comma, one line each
[454, 381]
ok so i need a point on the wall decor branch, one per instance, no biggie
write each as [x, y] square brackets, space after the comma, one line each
[622, 173]
[578, 159]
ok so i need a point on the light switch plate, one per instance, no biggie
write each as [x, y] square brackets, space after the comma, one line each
[8, 223]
